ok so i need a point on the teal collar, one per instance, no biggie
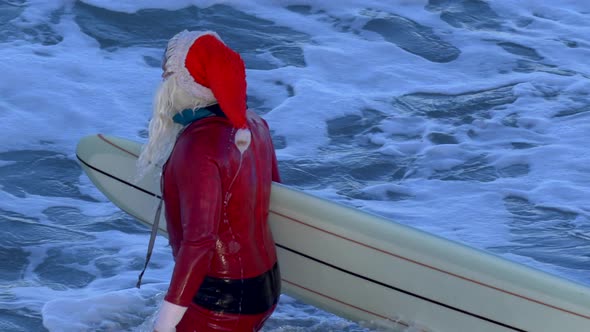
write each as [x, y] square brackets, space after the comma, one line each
[189, 115]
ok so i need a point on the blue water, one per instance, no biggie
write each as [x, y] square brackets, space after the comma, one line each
[465, 118]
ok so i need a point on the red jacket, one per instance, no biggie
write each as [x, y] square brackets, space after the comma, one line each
[217, 205]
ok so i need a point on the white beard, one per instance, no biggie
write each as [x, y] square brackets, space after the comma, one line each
[163, 131]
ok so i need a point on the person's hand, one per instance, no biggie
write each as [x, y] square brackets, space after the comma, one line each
[173, 330]
[169, 316]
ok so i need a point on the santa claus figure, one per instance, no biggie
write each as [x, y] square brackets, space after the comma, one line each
[218, 163]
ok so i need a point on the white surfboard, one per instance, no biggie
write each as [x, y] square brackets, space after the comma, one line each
[370, 269]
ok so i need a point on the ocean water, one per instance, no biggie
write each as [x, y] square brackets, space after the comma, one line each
[468, 119]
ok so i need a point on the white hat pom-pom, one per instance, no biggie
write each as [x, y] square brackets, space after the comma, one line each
[243, 139]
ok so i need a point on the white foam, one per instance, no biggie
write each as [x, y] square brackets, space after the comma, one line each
[53, 95]
[107, 311]
[63, 92]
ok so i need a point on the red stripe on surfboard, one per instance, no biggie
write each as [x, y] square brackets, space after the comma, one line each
[400, 322]
[402, 257]
[116, 146]
[435, 268]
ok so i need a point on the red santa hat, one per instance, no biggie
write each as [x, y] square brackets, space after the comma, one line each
[207, 69]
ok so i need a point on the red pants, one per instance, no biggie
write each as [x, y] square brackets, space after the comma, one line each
[201, 320]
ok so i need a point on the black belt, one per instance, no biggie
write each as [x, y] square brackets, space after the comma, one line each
[248, 296]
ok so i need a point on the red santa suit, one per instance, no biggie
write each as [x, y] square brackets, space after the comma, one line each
[217, 202]
[216, 189]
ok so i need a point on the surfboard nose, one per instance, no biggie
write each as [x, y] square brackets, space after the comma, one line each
[85, 147]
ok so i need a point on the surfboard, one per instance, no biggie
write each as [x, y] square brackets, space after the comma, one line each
[367, 268]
